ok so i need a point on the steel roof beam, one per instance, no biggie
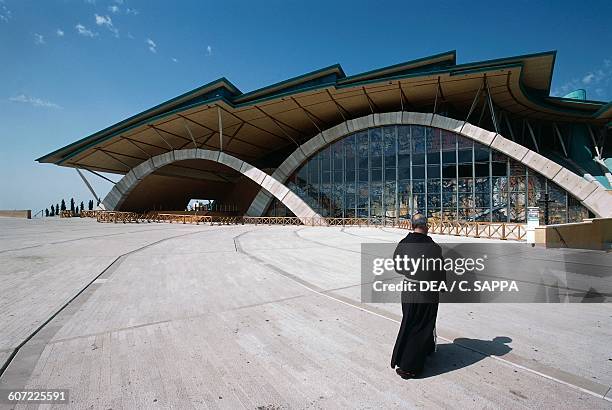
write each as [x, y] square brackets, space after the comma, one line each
[231, 137]
[491, 106]
[169, 133]
[279, 121]
[88, 185]
[339, 107]
[558, 132]
[509, 125]
[189, 132]
[277, 124]
[160, 136]
[116, 159]
[134, 144]
[99, 175]
[371, 103]
[253, 125]
[473, 106]
[310, 116]
[533, 138]
[594, 142]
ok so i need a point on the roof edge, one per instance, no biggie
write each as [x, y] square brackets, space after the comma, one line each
[220, 83]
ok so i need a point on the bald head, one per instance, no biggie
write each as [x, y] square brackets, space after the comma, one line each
[419, 223]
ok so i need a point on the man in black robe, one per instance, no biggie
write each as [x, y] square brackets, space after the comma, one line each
[416, 337]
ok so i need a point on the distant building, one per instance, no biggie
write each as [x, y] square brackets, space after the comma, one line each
[477, 141]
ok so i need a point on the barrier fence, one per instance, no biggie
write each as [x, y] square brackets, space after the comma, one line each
[489, 230]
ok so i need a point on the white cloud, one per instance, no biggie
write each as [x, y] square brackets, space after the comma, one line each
[130, 36]
[100, 20]
[106, 21]
[36, 102]
[39, 39]
[131, 11]
[59, 32]
[588, 78]
[84, 31]
[152, 46]
[597, 81]
[174, 60]
[5, 13]
[208, 50]
[113, 9]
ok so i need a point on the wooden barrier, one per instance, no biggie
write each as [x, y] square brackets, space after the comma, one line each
[488, 230]
[88, 214]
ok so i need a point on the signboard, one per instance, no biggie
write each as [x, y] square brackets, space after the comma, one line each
[533, 216]
[533, 220]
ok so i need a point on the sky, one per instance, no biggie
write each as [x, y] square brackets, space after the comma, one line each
[73, 67]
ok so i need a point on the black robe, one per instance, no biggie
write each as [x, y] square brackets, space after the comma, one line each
[415, 339]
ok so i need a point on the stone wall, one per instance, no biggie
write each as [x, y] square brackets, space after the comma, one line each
[26, 213]
[589, 234]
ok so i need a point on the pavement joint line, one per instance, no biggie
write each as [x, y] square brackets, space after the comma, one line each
[175, 319]
[356, 305]
[116, 262]
[119, 329]
[77, 239]
[323, 243]
[368, 237]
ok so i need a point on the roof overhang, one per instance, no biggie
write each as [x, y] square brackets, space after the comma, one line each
[285, 114]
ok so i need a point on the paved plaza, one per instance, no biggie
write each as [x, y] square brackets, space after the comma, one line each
[266, 317]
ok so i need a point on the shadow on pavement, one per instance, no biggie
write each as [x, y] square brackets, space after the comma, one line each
[464, 352]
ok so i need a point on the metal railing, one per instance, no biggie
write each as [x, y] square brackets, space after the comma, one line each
[489, 230]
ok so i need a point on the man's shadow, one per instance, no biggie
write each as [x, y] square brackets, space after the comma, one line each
[463, 352]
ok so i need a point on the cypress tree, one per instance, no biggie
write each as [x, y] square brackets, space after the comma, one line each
[63, 207]
[52, 210]
[46, 211]
[72, 205]
[82, 206]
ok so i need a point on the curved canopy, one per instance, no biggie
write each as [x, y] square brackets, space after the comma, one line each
[264, 125]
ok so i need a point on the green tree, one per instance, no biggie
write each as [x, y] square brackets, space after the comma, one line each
[46, 211]
[52, 210]
[82, 206]
[63, 207]
[72, 205]
[90, 205]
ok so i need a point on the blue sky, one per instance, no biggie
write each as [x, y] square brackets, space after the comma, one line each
[73, 67]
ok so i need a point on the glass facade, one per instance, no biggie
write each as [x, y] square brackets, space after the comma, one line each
[397, 171]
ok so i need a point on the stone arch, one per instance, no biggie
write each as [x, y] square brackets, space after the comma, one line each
[593, 196]
[270, 184]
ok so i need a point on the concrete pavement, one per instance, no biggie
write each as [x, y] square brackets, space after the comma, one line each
[265, 317]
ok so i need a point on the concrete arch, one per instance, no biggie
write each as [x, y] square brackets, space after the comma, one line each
[270, 184]
[591, 195]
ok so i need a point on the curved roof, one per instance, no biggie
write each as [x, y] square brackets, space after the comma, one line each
[287, 113]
